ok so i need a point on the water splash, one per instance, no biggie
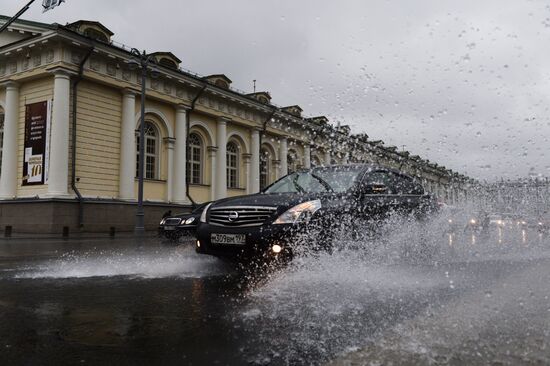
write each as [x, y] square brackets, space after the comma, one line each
[146, 264]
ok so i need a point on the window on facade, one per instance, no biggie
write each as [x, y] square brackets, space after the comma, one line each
[264, 168]
[168, 63]
[151, 151]
[95, 34]
[232, 165]
[194, 159]
[292, 161]
[315, 161]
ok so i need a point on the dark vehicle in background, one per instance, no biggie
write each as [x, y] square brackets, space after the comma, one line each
[176, 226]
[305, 208]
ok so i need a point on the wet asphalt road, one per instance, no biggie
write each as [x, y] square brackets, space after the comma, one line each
[99, 301]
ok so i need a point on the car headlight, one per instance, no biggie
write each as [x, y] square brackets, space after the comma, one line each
[162, 222]
[472, 221]
[203, 214]
[299, 213]
[189, 221]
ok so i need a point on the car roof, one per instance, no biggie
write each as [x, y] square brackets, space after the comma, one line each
[361, 167]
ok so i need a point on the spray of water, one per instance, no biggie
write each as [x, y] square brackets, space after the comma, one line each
[156, 263]
[328, 303]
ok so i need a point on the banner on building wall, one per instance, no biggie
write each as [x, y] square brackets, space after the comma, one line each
[35, 157]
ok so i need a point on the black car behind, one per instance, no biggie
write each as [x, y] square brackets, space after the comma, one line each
[176, 226]
[305, 206]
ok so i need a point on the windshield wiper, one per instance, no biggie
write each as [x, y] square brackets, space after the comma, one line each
[323, 183]
[299, 188]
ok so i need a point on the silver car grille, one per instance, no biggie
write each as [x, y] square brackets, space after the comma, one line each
[173, 221]
[239, 216]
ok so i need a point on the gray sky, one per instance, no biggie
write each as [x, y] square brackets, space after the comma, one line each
[462, 83]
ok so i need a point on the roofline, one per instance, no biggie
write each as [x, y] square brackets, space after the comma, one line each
[30, 23]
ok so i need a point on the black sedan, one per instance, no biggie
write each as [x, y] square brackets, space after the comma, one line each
[176, 226]
[305, 207]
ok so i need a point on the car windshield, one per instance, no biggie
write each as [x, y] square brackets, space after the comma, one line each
[316, 180]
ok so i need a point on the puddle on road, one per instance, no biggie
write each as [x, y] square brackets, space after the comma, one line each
[164, 262]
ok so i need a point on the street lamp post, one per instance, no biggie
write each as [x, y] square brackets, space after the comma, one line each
[143, 62]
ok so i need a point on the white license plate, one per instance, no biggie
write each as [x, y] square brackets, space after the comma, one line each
[228, 239]
[169, 228]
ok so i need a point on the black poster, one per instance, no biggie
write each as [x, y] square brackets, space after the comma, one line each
[35, 146]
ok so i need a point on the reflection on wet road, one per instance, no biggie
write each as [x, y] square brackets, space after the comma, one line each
[404, 295]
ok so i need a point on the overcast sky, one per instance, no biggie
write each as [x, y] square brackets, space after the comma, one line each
[463, 83]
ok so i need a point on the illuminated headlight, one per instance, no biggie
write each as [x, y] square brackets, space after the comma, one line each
[540, 223]
[203, 214]
[162, 222]
[189, 221]
[450, 221]
[276, 249]
[472, 221]
[198, 244]
[523, 222]
[299, 213]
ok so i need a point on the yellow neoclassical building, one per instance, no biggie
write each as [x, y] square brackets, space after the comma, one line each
[70, 112]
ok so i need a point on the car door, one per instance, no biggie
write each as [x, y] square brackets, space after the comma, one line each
[407, 194]
[376, 193]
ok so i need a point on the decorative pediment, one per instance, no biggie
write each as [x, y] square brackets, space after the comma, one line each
[263, 97]
[219, 80]
[92, 29]
[167, 59]
[295, 110]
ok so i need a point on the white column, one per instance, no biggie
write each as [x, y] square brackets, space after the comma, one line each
[170, 142]
[179, 188]
[59, 152]
[246, 160]
[221, 159]
[212, 152]
[327, 158]
[127, 146]
[255, 162]
[283, 153]
[307, 156]
[8, 176]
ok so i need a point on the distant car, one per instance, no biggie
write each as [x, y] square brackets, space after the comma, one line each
[305, 207]
[175, 226]
[496, 220]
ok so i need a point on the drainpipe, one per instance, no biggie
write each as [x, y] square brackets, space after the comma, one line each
[193, 102]
[76, 81]
[264, 130]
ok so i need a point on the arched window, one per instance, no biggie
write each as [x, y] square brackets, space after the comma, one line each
[232, 155]
[264, 168]
[1, 136]
[292, 161]
[315, 161]
[151, 151]
[194, 160]
[168, 63]
[95, 34]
